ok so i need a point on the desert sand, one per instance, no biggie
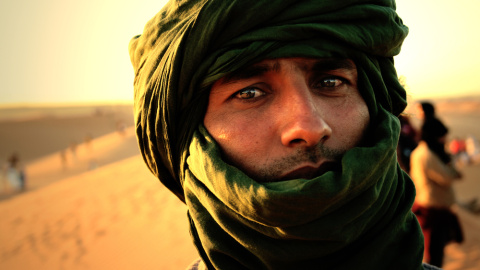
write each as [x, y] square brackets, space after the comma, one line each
[100, 208]
[115, 217]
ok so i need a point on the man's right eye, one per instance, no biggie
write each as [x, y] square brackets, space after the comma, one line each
[249, 93]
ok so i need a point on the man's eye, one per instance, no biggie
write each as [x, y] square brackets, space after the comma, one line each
[249, 93]
[330, 82]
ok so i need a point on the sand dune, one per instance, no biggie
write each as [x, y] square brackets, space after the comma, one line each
[86, 156]
[33, 132]
[99, 208]
[114, 217]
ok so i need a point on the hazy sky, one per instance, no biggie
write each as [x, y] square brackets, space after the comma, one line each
[69, 51]
[440, 55]
[76, 51]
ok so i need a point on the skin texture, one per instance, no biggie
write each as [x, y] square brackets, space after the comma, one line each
[287, 118]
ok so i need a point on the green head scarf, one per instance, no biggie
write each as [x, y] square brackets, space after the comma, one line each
[358, 218]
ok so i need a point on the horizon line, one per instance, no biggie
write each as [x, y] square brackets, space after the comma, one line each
[30, 104]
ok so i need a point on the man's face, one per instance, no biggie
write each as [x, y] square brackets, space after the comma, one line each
[287, 118]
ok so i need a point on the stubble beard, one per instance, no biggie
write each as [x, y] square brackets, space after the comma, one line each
[272, 170]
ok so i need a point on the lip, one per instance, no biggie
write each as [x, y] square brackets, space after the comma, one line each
[310, 171]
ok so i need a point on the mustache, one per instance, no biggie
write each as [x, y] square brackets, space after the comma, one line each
[275, 168]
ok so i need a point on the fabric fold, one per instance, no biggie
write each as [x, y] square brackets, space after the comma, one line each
[298, 222]
[190, 44]
[359, 216]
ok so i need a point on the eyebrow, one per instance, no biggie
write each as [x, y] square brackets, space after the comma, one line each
[329, 64]
[320, 65]
[249, 72]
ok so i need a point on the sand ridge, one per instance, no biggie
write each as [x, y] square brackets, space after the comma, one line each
[115, 217]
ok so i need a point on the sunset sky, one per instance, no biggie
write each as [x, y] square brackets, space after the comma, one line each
[56, 51]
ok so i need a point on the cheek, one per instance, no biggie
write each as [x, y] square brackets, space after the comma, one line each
[355, 124]
[362, 124]
[236, 136]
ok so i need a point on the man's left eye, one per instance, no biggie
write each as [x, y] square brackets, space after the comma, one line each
[330, 82]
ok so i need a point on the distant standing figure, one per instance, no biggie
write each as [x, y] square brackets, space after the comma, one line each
[433, 174]
[64, 159]
[14, 174]
[73, 149]
[121, 128]
[472, 148]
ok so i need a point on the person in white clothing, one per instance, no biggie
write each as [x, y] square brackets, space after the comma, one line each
[433, 174]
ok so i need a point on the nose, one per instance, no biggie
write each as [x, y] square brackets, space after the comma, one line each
[303, 122]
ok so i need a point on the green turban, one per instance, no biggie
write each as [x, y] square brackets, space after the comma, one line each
[190, 44]
[356, 218]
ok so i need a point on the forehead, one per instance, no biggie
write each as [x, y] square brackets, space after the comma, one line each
[304, 64]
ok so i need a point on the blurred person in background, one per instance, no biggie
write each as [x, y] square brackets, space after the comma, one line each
[433, 172]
